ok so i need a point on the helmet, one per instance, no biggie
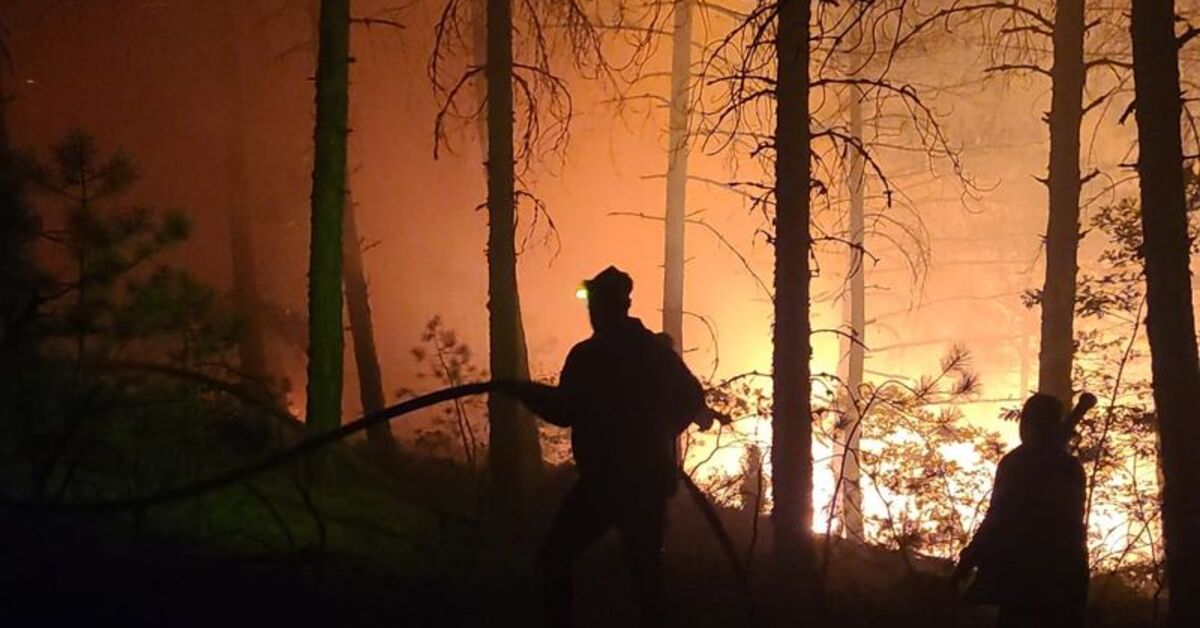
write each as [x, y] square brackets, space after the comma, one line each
[611, 285]
[1041, 419]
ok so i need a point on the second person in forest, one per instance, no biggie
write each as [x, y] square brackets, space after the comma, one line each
[1030, 552]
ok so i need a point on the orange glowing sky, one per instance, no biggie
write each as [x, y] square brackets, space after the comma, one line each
[139, 74]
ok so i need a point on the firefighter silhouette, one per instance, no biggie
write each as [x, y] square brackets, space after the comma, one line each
[1030, 551]
[627, 396]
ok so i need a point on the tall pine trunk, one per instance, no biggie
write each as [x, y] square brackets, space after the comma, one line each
[325, 342]
[362, 332]
[252, 351]
[514, 452]
[791, 417]
[1170, 325]
[1063, 182]
[849, 433]
[677, 173]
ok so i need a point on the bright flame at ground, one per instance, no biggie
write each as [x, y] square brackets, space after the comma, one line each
[715, 459]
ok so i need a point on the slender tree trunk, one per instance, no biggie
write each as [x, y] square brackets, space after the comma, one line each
[514, 453]
[1064, 183]
[252, 351]
[362, 331]
[4, 139]
[1170, 324]
[16, 291]
[791, 420]
[325, 341]
[677, 173]
[850, 490]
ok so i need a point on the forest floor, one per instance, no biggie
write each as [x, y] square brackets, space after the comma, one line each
[367, 549]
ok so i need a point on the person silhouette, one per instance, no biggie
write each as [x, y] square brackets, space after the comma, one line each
[1030, 552]
[626, 396]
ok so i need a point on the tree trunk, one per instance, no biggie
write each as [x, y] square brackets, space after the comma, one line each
[677, 173]
[4, 97]
[17, 289]
[849, 434]
[252, 351]
[514, 452]
[791, 417]
[325, 342]
[1064, 183]
[362, 331]
[1170, 326]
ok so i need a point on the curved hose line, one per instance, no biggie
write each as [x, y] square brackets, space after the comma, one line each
[314, 443]
[304, 447]
[727, 547]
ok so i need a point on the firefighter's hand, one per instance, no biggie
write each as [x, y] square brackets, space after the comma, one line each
[510, 387]
[1087, 401]
[709, 416]
[541, 399]
[524, 391]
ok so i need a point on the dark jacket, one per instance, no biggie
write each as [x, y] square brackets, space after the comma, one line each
[627, 396]
[1031, 549]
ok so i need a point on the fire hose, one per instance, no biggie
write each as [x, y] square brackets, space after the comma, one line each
[319, 441]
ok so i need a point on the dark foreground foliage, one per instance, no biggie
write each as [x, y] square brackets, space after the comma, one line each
[404, 547]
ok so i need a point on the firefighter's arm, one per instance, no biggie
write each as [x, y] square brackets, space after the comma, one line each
[690, 394]
[554, 404]
[998, 517]
[543, 400]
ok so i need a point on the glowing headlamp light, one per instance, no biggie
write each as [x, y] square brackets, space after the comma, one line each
[581, 293]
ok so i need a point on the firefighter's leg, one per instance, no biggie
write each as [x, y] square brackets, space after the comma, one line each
[642, 528]
[579, 522]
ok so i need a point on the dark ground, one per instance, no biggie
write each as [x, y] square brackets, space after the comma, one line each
[388, 562]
